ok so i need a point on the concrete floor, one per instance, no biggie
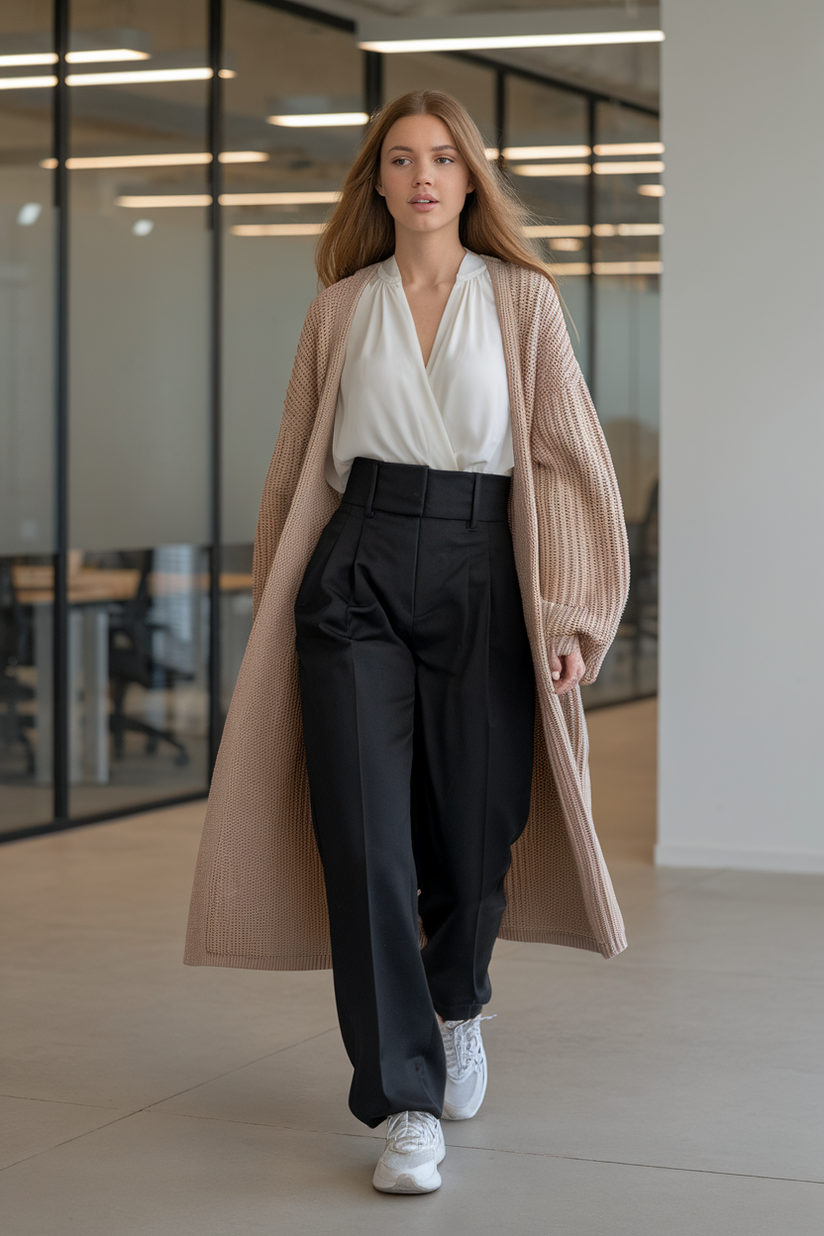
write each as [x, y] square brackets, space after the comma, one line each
[676, 1089]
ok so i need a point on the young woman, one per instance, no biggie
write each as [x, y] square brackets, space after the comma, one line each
[440, 545]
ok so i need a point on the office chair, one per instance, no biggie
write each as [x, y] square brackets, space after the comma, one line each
[131, 660]
[14, 651]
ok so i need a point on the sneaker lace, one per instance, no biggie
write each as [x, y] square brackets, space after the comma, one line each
[464, 1050]
[412, 1130]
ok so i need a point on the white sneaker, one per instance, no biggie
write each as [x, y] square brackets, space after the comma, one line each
[466, 1072]
[414, 1148]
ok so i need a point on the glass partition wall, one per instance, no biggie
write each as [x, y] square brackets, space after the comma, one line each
[167, 170]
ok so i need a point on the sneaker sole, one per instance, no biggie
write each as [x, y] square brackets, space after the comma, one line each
[406, 1182]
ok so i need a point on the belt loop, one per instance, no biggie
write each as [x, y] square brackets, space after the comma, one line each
[476, 492]
[369, 512]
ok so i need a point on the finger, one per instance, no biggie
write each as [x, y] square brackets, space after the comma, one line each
[555, 666]
[573, 672]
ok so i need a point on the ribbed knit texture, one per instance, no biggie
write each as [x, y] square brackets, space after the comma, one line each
[258, 900]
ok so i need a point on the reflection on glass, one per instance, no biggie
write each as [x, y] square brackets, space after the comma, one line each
[627, 264]
[546, 129]
[289, 67]
[472, 84]
[26, 424]
[26, 596]
[138, 641]
[138, 407]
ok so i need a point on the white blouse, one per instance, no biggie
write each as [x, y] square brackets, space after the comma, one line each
[452, 414]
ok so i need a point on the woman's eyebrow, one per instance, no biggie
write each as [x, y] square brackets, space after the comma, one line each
[411, 151]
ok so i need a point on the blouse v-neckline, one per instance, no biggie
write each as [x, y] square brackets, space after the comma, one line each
[470, 266]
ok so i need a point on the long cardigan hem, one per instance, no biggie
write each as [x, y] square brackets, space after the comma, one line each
[323, 961]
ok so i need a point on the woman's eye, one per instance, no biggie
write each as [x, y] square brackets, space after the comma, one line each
[444, 159]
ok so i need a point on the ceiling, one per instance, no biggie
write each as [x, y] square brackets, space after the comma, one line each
[629, 71]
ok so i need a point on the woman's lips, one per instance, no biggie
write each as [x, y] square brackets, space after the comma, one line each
[424, 205]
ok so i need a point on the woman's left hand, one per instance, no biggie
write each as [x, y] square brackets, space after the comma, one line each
[567, 671]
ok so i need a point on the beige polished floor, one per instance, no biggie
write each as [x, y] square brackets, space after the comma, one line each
[676, 1089]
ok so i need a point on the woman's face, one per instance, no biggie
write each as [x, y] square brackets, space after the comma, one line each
[422, 176]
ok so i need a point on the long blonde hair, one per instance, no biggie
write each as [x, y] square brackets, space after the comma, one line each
[361, 230]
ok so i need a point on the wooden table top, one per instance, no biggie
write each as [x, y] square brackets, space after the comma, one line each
[34, 585]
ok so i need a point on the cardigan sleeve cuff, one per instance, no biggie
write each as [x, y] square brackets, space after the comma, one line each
[564, 645]
[566, 630]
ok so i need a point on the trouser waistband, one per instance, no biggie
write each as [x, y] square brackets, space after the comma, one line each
[413, 489]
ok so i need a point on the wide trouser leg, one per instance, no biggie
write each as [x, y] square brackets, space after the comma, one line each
[418, 705]
[474, 740]
[357, 680]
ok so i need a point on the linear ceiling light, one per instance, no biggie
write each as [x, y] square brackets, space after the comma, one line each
[76, 57]
[629, 148]
[309, 197]
[14, 62]
[158, 160]
[102, 55]
[556, 229]
[551, 169]
[547, 152]
[488, 42]
[319, 120]
[584, 169]
[627, 169]
[563, 269]
[114, 79]
[26, 83]
[629, 229]
[130, 76]
[277, 229]
[651, 190]
[627, 268]
[148, 201]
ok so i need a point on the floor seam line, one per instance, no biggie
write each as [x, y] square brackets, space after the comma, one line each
[218, 1076]
[66, 1141]
[538, 1154]
[30, 1098]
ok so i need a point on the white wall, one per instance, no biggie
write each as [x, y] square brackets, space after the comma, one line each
[742, 671]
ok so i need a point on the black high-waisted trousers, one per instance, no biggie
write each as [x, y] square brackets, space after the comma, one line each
[418, 700]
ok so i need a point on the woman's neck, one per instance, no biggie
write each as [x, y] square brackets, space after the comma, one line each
[429, 259]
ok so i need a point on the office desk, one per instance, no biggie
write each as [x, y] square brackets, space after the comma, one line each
[90, 593]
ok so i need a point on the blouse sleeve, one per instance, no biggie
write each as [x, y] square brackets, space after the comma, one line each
[583, 555]
[299, 411]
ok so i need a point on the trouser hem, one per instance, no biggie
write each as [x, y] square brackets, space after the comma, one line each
[460, 1012]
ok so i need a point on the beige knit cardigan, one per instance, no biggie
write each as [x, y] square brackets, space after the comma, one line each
[258, 899]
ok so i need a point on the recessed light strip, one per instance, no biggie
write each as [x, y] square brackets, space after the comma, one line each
[319, 120]
[490, 42]
[542, 230]
[546, 152]
[277, 229]
[105, 55]
[629, 148]
[185, 159]
[127, 77]
[585, 169]
[152, 201]
[562, 269]
[27, 83]
[551, 169]
[629, 229]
